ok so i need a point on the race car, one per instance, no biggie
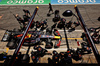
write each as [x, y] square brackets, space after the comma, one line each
[32, 38]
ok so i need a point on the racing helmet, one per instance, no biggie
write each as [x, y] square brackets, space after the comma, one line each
[55, 52]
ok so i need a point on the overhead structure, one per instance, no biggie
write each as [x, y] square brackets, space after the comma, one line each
[90, 41]
[11, 63]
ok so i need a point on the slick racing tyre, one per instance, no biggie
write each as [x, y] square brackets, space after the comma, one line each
[48, 15]
[11, 44]
[26, 58]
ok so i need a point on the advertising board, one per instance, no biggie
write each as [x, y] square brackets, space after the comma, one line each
[75, 1]
[23, 2]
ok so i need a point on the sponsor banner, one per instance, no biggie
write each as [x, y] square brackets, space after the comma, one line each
[23, 2]
[75, 1]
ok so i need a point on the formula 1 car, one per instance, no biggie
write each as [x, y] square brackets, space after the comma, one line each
[32, 38]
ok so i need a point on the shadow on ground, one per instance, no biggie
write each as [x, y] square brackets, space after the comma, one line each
[45, 64]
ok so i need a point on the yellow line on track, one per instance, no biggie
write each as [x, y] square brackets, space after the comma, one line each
[72, 38]
[7, 50]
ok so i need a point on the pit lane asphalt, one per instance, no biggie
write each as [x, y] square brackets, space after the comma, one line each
[90, 13]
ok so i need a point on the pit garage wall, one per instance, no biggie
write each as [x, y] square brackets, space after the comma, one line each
[35, 2]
